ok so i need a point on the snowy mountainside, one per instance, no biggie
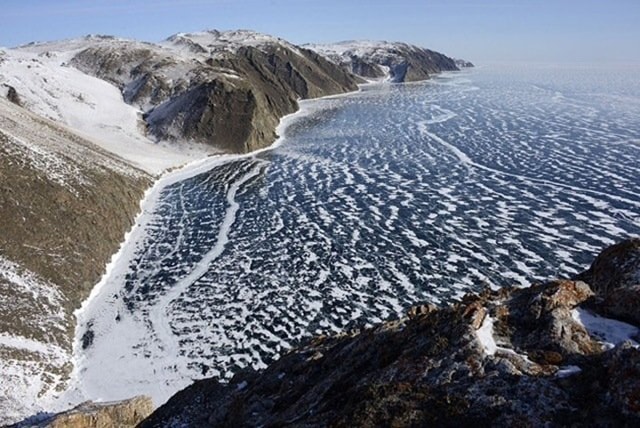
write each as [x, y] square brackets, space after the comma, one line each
[47, 86]
[394, 61]
[214, 42]
[35, 352]
[65, 205]
[226, 90]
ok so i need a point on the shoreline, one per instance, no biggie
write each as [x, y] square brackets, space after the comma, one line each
[74, 393]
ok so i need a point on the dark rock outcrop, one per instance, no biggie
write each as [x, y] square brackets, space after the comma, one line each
[509, 357]
[615, 277]
[398, 62]
[12, 94]
[461, 63]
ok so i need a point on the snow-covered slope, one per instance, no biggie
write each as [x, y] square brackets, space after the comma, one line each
[65, 205]
[90, 106]
[34, 352]
[214, 42]
[380, 60]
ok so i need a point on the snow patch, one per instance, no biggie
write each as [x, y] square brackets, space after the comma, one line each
[485, 336]
[608, 331]
[567, 371]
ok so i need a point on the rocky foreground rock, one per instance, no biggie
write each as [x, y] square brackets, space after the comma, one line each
[121, 414]
[511, 357]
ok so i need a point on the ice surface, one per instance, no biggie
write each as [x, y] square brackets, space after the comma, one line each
[372, 203]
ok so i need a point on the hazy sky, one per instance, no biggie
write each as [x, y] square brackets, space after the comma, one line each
[520, 30]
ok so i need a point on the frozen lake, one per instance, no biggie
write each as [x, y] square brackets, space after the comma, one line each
[374, 202]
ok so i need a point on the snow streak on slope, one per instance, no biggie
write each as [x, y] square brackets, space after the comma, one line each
[376, 201]
[30, 366]
[91, 106]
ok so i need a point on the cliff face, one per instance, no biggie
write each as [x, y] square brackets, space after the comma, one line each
[530, 357]
[397, 62]
[65, 206]
[225, 89]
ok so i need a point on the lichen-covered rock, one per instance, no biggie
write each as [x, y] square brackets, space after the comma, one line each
[623, 376]
[539, 319]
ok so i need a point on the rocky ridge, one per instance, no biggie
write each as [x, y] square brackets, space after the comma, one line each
[461, 63]
[396, 62]
[528, 357]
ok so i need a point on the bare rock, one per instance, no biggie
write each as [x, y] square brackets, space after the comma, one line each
[615, 277]
[538, 321]
[624, 380]
[123, 414]
[12, 94]
[461, 63]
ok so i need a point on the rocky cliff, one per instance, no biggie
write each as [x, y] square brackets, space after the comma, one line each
[536, 356]
[397, 62]
[461, 63]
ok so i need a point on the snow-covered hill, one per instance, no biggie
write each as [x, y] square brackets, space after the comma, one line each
[393, 61]
[47, 86]
[214, 42]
